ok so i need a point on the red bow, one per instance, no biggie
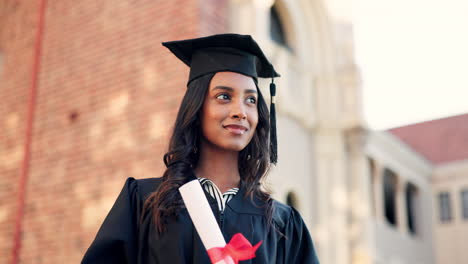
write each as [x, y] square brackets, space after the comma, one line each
[239, 248]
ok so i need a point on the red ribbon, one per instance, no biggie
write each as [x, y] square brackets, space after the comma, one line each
[239, 248]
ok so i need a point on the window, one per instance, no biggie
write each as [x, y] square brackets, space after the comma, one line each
[464, 198]
[291, 200]
[411, 193]
[445, 210]
[276, 27]
[390, 181]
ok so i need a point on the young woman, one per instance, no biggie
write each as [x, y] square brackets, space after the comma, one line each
[223, 136]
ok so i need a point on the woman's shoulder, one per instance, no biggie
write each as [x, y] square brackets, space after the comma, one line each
[297, 245]
[281, 210]
[283, 214]
[144, 187]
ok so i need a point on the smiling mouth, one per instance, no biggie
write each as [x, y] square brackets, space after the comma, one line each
[235, 129]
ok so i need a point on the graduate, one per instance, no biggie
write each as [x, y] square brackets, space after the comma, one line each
[225, 137]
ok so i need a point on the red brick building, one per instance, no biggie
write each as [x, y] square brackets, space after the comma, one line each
[88, 97]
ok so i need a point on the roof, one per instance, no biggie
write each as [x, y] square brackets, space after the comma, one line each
[440, 141]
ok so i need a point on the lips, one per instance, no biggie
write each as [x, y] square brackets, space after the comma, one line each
[236, 129]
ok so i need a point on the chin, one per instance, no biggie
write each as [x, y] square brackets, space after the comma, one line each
[226, 144]
[234, 147]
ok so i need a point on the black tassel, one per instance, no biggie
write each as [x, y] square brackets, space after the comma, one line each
[273, 137]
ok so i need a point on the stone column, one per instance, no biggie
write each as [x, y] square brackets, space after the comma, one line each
[262, 18]
[360, 231]
[378, 192]
[333, 205]
[251, 17]
[402, 219]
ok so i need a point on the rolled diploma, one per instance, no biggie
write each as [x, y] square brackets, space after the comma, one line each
[202, 217]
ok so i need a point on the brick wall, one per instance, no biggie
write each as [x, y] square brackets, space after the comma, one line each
[18, 21]
[107, 97]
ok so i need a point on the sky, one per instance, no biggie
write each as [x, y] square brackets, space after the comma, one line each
[413, 57]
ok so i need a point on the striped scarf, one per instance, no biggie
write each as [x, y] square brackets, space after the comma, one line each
[221, 198]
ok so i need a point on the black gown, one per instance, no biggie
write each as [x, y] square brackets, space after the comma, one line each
[122, 239]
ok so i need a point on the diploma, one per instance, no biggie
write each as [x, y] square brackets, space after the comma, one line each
[239, 248]
[202, 217]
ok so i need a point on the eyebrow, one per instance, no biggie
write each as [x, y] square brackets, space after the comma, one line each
[230, 89]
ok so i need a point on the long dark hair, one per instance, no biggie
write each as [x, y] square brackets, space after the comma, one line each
[184, 149]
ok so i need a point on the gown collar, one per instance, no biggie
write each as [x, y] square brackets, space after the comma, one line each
[246, 205]
[239, 203]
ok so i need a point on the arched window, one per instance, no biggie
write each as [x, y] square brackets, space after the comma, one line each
[277, 30]
[411, 192]
[291, 199]
[390, 185]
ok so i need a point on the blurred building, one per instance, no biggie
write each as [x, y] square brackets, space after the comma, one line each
[89, 96]
[443, 144]
[401, 201]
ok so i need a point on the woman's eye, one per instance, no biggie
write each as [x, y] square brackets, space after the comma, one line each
[252, 100]
[223, 97]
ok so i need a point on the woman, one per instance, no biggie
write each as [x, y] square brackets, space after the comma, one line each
[222, 136]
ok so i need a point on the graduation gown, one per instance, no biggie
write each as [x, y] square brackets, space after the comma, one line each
[123, 239]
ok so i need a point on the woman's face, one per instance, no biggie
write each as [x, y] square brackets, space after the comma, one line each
[229, 115]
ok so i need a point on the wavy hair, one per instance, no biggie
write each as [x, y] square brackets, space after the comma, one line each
[181, 159]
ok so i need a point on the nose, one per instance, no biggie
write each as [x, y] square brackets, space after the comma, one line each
[238, 111]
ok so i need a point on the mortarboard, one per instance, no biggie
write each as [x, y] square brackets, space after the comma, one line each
[229, 52]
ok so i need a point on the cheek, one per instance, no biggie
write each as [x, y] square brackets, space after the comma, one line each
[254, 119]
[211, 117]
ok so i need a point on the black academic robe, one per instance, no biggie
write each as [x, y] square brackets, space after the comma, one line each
[123, 239]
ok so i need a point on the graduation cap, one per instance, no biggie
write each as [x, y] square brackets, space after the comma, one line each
[229, 52]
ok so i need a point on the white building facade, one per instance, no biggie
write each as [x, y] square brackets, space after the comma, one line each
[401, 217]
[450, 192]
[324, 146]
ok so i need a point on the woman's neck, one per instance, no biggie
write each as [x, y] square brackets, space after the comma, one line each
[219, 166]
